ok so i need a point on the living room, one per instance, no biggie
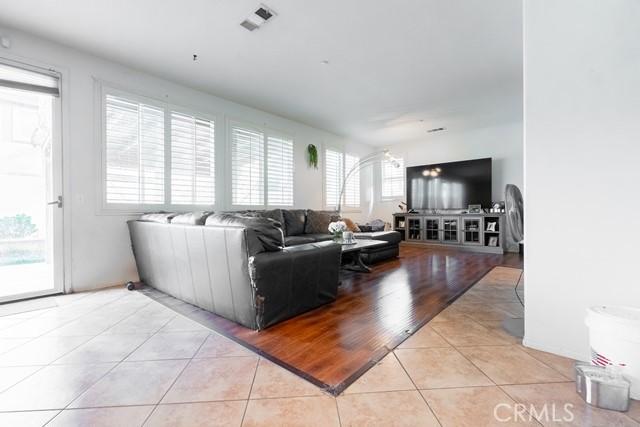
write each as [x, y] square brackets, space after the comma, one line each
[245, 213]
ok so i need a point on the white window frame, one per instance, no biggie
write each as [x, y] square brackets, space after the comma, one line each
[403, 181]
[101, 91]
[345, 207]
[266, 132]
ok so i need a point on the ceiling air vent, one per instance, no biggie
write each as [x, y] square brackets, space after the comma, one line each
[436, 130]
[258, 18]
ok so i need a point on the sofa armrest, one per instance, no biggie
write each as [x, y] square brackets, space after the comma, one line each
[294, 280]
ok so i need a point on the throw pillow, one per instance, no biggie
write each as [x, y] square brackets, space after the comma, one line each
[294, 221]
[377, 225]
[351, 226]
[318, 221]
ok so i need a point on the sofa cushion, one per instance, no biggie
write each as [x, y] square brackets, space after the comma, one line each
[275, 214]
[320, 237]
[318, 221]
[191, 218]
[294, 221]
[297, 240]
[268, 232]
[161, 217]
[392, 237]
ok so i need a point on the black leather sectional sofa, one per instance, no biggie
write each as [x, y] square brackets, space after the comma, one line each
[256, 268]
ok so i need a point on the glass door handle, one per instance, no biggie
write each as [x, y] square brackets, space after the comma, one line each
[56, 202]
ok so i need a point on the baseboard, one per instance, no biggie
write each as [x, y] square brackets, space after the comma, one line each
[558, 351]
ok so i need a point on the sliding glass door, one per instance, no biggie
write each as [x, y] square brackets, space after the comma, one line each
[30, 183]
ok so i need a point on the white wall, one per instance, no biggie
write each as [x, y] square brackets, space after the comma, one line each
[582, 166]
[97, 246]
[502, 143]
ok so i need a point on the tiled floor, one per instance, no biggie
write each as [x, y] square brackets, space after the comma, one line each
[116, 358]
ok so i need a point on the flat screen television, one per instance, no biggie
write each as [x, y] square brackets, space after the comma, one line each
[454, 185]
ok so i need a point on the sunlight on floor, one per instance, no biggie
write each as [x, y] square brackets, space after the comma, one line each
[24, 278]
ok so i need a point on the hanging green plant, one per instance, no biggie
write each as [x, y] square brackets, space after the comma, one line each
[313, 155]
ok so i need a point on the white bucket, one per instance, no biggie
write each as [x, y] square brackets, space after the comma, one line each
[614, 337]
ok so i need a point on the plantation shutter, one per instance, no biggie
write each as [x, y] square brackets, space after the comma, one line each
[352, 187]
[134, 135]
[279, 171]
[392, 180]
[247, 167]
[334, 174]
[192, 160]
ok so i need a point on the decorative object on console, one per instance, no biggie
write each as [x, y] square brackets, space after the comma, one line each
[475, 208]
[491, 226]
[498, 207]
[312, 153]
[493, 241]
[365, 161]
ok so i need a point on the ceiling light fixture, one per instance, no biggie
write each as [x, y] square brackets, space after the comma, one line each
[258, 18]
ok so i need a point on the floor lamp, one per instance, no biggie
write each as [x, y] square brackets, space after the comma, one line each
[365, 161]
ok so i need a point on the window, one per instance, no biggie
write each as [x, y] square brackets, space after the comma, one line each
[352, 186]
[392, 179]
[192, 160]
[336, 166]
[156, 157]
[247, 167]
[134, 152]
[333, 176]
[279, 171]
[255, 163]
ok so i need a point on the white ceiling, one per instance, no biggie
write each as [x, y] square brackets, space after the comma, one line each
[452, 63]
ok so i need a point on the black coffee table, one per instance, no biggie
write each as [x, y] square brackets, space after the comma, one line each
[354, 251]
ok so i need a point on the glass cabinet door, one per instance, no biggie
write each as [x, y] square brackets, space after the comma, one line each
[414, 228]
[450, 230]
[471, 231]
[432, 229]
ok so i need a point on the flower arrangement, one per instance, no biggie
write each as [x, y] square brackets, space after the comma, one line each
[337, 228]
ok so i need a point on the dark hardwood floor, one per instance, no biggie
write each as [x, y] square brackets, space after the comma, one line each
[335, 344]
